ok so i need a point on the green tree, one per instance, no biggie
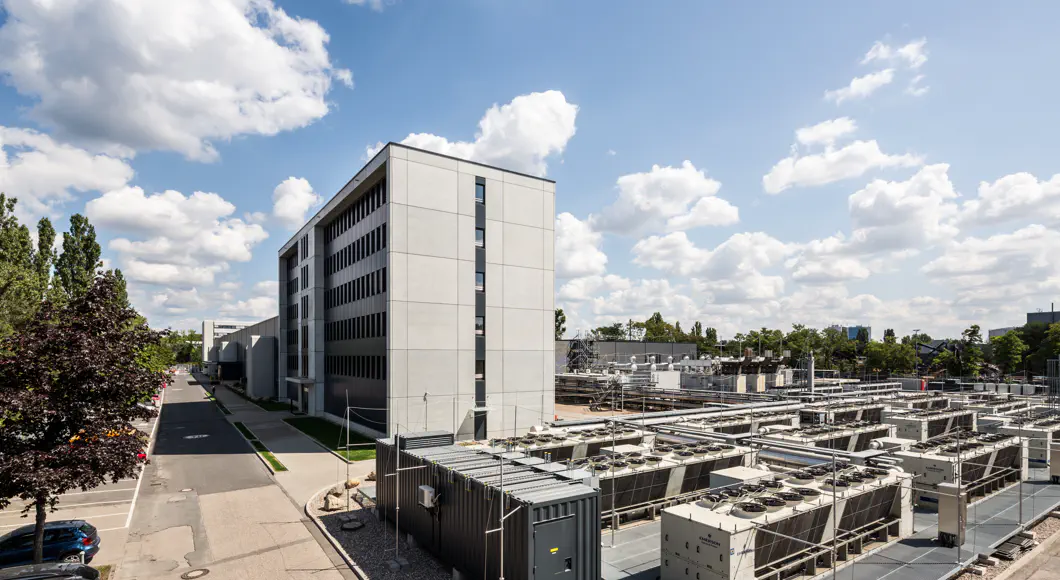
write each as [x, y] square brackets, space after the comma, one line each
[801, 340]
[44, 257]
[971, 358]
[1039, 347]
[888, 335]
[658, 330]
[862, 339]
[616, 331]
[889, 357]
[561, 323]
[79, 261]
[69, 382]
[19, 286]
[1008, 350]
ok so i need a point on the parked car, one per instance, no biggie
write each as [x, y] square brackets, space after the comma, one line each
[64, 541]
[50, 571]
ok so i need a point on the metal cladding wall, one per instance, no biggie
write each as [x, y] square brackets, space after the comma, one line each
[469, 503]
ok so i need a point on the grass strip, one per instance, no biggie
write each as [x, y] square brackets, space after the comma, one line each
[245, 431]
[264, 451]
[104, 571]
[333, 437]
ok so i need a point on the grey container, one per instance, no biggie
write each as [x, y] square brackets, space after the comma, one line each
[553, 529]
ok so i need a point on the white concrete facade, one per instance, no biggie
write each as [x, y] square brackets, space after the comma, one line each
[431, 303]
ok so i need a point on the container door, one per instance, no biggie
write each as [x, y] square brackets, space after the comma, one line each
[554, 542]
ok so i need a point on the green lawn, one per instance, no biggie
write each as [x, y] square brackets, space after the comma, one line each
[265, 403]
[333, 437]
[104, 571]
[264, 451]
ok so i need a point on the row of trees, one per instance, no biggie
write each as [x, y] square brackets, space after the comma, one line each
[1025, 349]
[75, 359]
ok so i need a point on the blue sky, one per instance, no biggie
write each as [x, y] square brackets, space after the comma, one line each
[881, 220]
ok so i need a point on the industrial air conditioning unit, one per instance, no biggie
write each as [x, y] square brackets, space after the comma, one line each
[425, 496]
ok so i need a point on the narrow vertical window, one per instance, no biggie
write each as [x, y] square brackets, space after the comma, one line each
[480, 190]
[480, 237]
[480, 369]
[480, 281]
[480, 325]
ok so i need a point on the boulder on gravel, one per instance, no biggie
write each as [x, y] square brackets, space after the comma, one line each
[336, 491]
[332, 503]
[370, 476]
[352, 483]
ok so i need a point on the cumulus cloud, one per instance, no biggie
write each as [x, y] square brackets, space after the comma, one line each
[174, 76]
[577, 248]
[732, 272]
[520, 135]
[291, 199]
[666, 198]
[1014, 197]
[826, 132]
[912, 55]
[44, 174]
[184, 241]
[831, 165]
[376, 5]
[861, 87]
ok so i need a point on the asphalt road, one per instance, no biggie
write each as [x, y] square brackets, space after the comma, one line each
[108, 507]
[207, 502]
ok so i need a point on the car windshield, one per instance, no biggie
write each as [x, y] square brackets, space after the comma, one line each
[87, 529]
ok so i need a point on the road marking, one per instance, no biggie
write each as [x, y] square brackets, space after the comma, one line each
[150, 448]
[199, 436]
[93, 517]
[75, 505]
[112, 529]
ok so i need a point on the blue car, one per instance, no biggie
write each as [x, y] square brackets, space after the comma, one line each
[64, 541]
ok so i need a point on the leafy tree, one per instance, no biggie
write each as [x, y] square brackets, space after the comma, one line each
[1039, 347]
[616, 331]
[658, 330]
[19, 288]
[561, 323]
[889, 357]
[971, 351]
[862, 338]
[1008, 351]
[706, 339]
[44, 257]
[80, 260]
[710, 336]
[121, 292]
[184, 345]
[916, 338]
[801, 340]
[69, 381]
[888, 335]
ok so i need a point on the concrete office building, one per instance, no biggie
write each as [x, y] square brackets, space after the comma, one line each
[215, 329]
[423, 292]
[250, 354]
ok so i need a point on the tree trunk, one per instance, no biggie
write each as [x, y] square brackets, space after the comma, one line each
[38, 532]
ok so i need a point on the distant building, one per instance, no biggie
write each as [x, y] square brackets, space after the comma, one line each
[993, 332]
[214, 329]
[1043, 317]
[851, 332]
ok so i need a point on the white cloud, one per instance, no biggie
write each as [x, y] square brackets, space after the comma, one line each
[184, 240]
[915, 88]
[520, 135]
[125, 77]
[577, 248]
[833, 164]
[730, 273]
[1014, 197]
[588, 287]
[43, 174]
[826, 132]
[861, 87]
[912, 55]
[611, 152]
[376, 5]
[666, 198]
[291, 199]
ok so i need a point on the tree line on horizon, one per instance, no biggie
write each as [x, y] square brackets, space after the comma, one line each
[1022, 350]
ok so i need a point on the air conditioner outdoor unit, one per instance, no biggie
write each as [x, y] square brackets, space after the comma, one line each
[425, 496]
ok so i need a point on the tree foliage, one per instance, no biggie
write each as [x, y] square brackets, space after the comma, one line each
[561, 323]
[1008, 350]
[79, 262]
[616, 331]
[69, 383]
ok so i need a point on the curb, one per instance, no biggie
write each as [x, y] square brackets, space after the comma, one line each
[1042, 549]
[331, 539]
[318, 443]
[260, 457]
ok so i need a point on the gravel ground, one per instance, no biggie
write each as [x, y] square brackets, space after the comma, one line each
[368, 546]
[1046, 528]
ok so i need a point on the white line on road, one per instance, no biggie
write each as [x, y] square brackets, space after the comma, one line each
[112, 529]
[98, 516]
[75, 505]
[150, 448]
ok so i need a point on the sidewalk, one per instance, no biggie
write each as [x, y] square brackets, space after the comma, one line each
[310, 467]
